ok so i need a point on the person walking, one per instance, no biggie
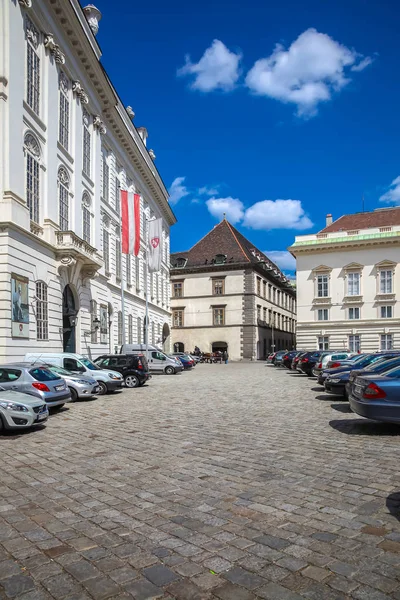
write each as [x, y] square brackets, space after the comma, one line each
[225, 356]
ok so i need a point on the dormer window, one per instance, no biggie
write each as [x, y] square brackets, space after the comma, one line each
[220, 259]
[180, 262]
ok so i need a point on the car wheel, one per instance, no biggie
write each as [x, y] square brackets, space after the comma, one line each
[74, 395]
[169, 370]
[103, 388]
[131, 381]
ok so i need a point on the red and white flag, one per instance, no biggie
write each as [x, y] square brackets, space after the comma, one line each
[155, 242]
[130, 217]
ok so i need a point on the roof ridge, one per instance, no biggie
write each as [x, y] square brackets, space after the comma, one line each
[230, 227]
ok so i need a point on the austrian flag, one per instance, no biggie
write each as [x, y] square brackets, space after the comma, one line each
[130, 217]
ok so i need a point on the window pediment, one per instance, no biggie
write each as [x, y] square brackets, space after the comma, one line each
[386, 264]
[322, 269]
[353, 267]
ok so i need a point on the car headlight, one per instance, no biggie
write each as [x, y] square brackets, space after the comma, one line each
[112, 376]
[12, 406]
[335, 380]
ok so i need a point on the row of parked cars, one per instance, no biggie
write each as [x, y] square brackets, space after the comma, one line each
[46, 380]
[369, 381]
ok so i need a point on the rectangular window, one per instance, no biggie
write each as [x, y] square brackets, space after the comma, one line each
[353, 284]
[218, 287]
[86, 224]
[106, 250]
[258, 286]
[278, 299]
[354, 313]
[386, 342]
[264, 315]
[258, 312]
[218, 316]
[269, 291]
[63, 133]
[64, 207]
[322, 314]
[177, 289]
[86, 150]
[274, 295]
[42, 315]
[386, 282]
[177, 318]
[106, 179]
[32, 186]
[128, 269]
[322, 286]
[264, 289]
[386, 312]
[354, 343]
[117, 195]
[32, 68]
[323, 342]
[118, 258]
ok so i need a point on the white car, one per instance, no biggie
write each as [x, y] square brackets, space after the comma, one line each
[20, 411]
[323, 364]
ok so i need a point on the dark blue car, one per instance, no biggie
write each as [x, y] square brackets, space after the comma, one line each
[340, 383]
[377, 397]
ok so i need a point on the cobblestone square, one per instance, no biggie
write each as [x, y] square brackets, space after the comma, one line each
[231, 482]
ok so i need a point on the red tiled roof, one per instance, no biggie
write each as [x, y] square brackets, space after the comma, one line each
[385, 217]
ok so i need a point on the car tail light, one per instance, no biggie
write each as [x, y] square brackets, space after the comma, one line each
[319, 366]
[373, 391]
[42, 387]
[140, 366]
[304, 360]
[285, 357]
[334, 365]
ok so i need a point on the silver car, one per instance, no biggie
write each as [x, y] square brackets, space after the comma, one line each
[20, 411]
[35, 380]
[80, 386]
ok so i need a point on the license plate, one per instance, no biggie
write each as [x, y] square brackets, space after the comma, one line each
[41, 416]
[357, 389]
[58, 388]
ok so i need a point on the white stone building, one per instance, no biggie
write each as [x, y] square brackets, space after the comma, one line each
[67, 146]
[348, 283]
[227, 294]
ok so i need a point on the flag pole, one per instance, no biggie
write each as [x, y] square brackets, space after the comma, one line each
[146, 334]
[123, 294]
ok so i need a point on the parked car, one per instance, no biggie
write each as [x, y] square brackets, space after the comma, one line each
[278, 358]
[107, 380]
[21, 411]
[271, 357]
[308, 361]
[334, 357]
[133, 367]
[288, 357]
[296, 359]
[187, 359]
[35, 380]
[377, 397]
[360, 363]
[80, 386]
[379, 367]
[333, 364]
[158, 361]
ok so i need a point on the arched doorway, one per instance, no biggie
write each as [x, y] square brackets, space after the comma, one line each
[165, 337]
[219, 346]
[179, 347]
[70, 317]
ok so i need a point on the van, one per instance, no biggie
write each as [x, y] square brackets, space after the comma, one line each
[158, 361]
[107, 380]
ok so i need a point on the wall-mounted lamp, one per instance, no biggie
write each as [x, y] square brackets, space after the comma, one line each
[73, 320]
[96, 323]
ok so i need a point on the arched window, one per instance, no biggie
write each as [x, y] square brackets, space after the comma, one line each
[120, 328]
[63, 125]
[139, 330]
[130, 329]
[86, 217]
[93, 316]
[42, 313]
[63, 199]
[32, 188]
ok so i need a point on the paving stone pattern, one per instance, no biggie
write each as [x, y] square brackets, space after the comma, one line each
[233, 482]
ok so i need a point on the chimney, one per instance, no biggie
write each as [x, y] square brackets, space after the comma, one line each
[93, 16]
[329, 220]
[142, 131]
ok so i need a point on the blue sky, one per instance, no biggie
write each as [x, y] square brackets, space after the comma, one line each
[247, 104]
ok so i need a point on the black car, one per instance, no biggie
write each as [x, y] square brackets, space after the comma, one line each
[287, 359]
[133, 367]
[308, 361]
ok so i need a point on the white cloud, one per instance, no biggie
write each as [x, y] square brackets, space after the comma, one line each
[282, 258]
[218, 69]
[307, 73]
[177, 191]
[392, 196]
[232, 208]
[208, 191]
[277, 214]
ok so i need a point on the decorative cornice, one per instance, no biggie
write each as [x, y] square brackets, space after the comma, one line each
[25, 3]
[98, 124]
[152, 154]
[130, 112]
[54, 48]
[80, 92]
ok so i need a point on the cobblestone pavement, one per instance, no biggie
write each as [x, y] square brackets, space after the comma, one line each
[231, 482]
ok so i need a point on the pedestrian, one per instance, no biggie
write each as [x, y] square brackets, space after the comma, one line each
[225, 356]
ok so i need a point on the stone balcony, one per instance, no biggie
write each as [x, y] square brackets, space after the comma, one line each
[76, 255]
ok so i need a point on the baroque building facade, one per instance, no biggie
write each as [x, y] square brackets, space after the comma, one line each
[348, 283]
[228, 295]
[68, 146]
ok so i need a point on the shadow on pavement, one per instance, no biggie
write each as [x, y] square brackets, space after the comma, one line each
[12, 434]
[365, 427]
[393, 504]
[325, 397]
[344, 408]
[320, 388]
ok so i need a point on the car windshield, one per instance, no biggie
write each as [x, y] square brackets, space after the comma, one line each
[60, 370]
[359, 358]
[376, 364]
[41, 374]
[88, 363]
